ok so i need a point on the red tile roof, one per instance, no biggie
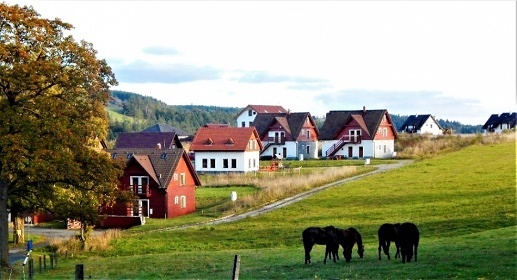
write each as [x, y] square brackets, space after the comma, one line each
[224, 139]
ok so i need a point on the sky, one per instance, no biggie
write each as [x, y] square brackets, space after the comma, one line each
[455, 60]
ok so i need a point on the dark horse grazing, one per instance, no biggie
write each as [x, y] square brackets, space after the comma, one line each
[409, 237]
[347, 238]
[322, 236]
[386, 234]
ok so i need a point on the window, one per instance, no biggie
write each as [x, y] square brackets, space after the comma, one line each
[175, 177]
[183, 201]
[139, 184]
[205, 163]
[176, 200]
[212, 163]
[250, 123]
[243, 124]
[308, 133]
[183, 179]
[308, 151]
[234, 163]
[254, 162]
[250, 113]
[225, 163]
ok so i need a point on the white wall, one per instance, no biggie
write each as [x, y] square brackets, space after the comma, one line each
[243, 161]
[372, 149]
[245, 118]
[430, 127]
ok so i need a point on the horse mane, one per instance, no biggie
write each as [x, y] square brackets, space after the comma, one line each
[357, 235]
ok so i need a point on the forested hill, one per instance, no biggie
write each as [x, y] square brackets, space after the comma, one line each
[133, 112]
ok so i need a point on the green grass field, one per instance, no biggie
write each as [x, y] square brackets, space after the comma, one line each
[463, 203]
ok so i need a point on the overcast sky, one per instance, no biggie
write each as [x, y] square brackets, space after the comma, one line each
[452, 59]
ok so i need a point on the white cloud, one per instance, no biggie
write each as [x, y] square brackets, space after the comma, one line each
[452, 59]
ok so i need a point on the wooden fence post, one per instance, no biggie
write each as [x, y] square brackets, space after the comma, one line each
[236, 267]
[79, 272]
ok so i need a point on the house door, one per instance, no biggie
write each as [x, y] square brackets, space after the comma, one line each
[361, 152]
[274, 152]
[141, 208]
[350, 150]
[284, 152]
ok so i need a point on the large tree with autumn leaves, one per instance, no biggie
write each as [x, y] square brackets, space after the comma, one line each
[53, 92]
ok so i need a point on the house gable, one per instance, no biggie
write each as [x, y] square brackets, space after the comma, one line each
[367, 120]
[416, 123]
[158, 164]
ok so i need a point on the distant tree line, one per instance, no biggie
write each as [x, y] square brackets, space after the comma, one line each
[137, 112]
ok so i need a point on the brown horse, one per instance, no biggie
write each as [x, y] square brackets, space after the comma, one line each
[327, 236]
[409, 236]
[386, 234]
[347, 239]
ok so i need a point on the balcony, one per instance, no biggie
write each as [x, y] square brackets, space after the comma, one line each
[140, 190]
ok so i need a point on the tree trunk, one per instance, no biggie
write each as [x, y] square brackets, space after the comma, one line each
[18, 228]
[4, 226]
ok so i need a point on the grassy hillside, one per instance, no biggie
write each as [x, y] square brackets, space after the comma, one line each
[463, 203]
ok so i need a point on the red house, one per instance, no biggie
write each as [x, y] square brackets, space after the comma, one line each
[159, 174]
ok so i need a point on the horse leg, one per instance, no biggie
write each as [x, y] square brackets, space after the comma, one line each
[308, 249]
[387, 248]
[380, 246]
[416, 248]
[397, 254]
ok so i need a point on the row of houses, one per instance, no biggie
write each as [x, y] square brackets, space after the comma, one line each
[163, 178]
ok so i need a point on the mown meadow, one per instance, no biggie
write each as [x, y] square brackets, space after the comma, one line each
[462, 201]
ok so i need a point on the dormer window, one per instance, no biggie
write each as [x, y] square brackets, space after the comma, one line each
[209, 142]
[230, 141]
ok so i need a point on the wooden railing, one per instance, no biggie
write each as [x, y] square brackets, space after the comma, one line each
[140, 190]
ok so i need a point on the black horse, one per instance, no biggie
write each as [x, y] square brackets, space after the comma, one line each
[409, 236]
[327, 236]
[386, 234]
[347, 238]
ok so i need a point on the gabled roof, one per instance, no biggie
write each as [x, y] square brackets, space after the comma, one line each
[264, 109]
[336, 120]
[417, 121]
[496, 120]
[291, 122]
[166, 128]
[147, 140]
[158, 164]
[214, 138]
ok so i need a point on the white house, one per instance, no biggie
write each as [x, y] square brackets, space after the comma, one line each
[498, 123]
[421, 124]
[288, 135]
[247, 115]
[226, 149]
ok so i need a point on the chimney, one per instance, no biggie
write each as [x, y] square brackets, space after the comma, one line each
[364, 109]
[158, 146]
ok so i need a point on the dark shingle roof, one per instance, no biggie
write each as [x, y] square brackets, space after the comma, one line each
[291, 122]
[166, 128]
[495, 120]
[335, 120]
[417, 121]
[147, 140]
